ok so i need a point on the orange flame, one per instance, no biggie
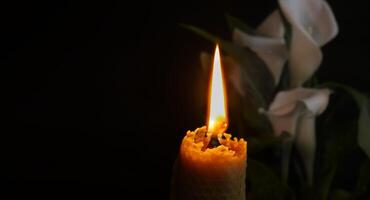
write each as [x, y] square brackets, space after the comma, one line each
[217, 114]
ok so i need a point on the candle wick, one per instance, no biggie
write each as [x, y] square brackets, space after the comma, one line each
[214, 142]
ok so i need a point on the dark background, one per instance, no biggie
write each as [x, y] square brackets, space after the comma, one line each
[105, 91]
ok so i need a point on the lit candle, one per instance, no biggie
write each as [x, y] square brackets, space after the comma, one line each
[211, 165]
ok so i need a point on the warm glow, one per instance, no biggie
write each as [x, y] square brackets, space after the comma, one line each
[217, 114]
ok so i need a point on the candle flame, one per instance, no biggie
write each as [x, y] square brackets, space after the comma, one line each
[217, 114]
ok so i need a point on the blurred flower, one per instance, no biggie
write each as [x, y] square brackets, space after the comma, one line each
[267, 42]
[312, 25]
[294, 112]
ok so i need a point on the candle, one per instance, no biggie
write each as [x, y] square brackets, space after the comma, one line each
[211, 165]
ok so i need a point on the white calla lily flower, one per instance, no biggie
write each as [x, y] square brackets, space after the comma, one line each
[294, 112]
[268, 43]
[312, 26]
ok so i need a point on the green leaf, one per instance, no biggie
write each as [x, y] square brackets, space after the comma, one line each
[312, 82]
[256, 145]
[340, 195]
[335, 142]
[338, 139]
[286, 148]
[326, 182]
[201, 32]
[234, 23]
[264, 184]
[363, 180]
[256, 121]
[363, 137]
[364, 128]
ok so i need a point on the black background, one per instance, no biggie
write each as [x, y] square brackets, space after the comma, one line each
[105, 91]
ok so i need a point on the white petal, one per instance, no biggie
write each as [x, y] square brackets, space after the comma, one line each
[285, 123]
[317, 100]
[313, 16]
[304, 58]
[271, 50]
[272, 26]
[313, 24]
[325, 25]
[285, 102]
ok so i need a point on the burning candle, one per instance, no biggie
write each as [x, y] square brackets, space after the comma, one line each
[211, 165]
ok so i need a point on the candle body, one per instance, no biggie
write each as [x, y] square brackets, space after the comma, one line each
[209, 173]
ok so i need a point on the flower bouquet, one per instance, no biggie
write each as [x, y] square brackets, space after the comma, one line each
[307, 138]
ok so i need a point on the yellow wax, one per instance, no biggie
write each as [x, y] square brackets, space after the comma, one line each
[210, 173]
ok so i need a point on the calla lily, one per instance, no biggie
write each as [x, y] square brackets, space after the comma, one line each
[268, 43]
[312, 25]
[294, 112]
